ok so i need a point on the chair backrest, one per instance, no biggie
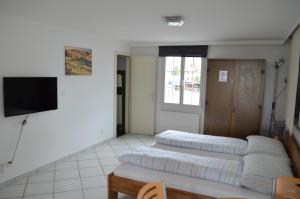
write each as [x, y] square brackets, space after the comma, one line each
[287, 188]
[154, 190]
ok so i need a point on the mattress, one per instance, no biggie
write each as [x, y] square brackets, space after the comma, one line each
[202, 142]
[198, 152]
[194, 185]
[208, 168]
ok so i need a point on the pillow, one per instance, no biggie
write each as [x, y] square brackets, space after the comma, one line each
[260, 170]
[264, 145]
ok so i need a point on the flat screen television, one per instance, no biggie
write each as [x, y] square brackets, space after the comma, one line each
[24, 95]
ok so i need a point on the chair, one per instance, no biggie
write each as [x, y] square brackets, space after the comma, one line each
[154, 190]
[287, 188]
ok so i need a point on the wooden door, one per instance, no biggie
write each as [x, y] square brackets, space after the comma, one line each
[219, 97]
[143, 78]
[248, 98]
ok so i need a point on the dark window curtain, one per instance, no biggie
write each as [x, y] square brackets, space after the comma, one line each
[183, 51]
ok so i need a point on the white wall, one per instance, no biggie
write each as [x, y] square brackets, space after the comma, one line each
[85, 103]
[270, 53]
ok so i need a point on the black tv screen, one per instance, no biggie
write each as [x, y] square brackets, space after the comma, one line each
[24, 95]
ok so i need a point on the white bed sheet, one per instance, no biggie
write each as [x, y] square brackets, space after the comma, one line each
[194, 185]
[198, 152]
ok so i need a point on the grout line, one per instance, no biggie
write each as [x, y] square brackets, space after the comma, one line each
[109, 144]
[42, 194]
[99, 162]
[139, 139]
[146, 144]
[79, 176]
[23, 195]
[3, 184]
[54, 179]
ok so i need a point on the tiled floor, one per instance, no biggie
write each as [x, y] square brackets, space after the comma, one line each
[79, 176]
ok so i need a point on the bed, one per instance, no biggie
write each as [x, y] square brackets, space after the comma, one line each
[197, 152]
[202, 142]
[129, 179]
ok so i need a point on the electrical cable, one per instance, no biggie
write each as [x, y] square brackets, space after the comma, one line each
[24, 122]
[281, 92]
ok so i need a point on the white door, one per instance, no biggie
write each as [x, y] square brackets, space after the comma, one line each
[143, 77]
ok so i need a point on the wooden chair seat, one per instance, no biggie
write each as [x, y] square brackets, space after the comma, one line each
[287, 188]
[154, 190]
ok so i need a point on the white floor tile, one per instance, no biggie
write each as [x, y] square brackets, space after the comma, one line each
[21, 180]
[89, 172]
[12, 191]
[120, 147]
[117, 142]
[151, 143]
[88, 150]
[109, 161]
[67, 165]
[103, 148]
[88, 163]
[66, 174]
[41, 177]
[86, 156]
[95, 193]
[47, 168]
[104, 144]
[137, 145]
[44, 196]
[69, 195]
[122, 152]
[69, 158]
[106, 154]
[132, 141]
[143, 136]
[109, 169]
[39, 188]
[91, 182]
[67, 185]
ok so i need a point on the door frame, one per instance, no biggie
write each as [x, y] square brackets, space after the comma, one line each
[115, 70]
[203, 95]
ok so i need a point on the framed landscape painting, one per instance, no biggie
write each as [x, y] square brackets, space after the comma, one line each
[78, 61]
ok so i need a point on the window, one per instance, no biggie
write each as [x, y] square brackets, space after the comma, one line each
[172, 80]
[182, 80]
[192, 74]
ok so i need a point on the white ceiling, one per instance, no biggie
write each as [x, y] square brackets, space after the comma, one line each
[140, 21]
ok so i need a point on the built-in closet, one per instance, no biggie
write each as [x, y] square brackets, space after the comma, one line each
[234, 91]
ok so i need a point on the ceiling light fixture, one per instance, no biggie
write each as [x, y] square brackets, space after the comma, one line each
[174, 20]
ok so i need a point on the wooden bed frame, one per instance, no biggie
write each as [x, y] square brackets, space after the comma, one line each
[117, 184]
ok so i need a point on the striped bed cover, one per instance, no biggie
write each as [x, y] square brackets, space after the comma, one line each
[208, 168]
[203, 142]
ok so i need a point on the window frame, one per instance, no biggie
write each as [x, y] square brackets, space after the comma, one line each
[183, 108]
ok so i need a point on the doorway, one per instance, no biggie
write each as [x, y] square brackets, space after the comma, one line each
[123, 85]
